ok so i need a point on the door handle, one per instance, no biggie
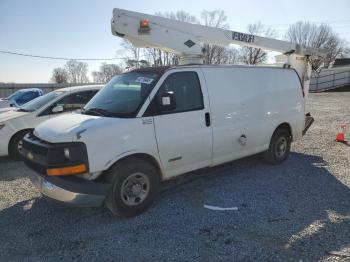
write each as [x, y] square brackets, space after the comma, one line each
[207, 119]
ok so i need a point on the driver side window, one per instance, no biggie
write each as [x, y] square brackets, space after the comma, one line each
[187, 90]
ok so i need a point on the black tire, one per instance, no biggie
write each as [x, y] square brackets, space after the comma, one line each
[122, 199]
[279, 148]
[15, 145]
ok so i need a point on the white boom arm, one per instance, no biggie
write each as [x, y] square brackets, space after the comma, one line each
[186, 39]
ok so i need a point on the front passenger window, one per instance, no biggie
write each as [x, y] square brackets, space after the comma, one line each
[75, 101]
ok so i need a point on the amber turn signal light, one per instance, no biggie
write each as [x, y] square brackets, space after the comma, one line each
[144, 23]
[69, 170]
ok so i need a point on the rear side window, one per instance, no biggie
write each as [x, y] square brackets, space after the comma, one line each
[187, 91]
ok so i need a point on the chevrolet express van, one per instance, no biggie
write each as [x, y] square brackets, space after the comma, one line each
[150, 125]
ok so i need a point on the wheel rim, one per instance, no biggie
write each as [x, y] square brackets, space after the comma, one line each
[20, 146]
[281, 147]
[135, 189]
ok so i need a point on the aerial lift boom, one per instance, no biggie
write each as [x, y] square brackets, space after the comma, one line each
[186, 39]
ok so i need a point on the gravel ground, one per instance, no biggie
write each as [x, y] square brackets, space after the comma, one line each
[297, 211]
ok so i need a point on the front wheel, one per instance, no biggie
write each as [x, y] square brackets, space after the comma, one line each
[134, 187]
[279, 148]
[15, 146]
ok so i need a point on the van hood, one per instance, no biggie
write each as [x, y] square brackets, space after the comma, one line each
[11, 114]
[70, 127]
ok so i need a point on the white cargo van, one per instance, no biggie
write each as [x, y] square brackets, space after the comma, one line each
[151, 125]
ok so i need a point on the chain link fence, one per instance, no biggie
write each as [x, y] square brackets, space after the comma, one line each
[330, 79]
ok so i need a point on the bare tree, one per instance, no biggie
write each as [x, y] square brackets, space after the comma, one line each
[97, 77]
[106, 73]
[109, 71]
[336, 48]
[77, 72]
[59, 75]
[231, 56]
[317, 36]
[157, 57]
[132, 52]
[251, 55]
[214, 54]
[131, 63]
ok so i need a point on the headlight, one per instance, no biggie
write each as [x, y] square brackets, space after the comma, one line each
[2, 126]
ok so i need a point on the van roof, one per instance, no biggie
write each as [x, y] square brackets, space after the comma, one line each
[163, 69]
[79, 88]
[159, 69]
[229, 66]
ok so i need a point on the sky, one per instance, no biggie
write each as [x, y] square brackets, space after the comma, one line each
[81, 28]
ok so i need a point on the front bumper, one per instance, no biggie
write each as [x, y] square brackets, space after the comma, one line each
[4, 144]
[5, 135]
[40, 155]
[72, 191]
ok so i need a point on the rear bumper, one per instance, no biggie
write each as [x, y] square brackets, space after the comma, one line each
[308, 122]
[71, 191]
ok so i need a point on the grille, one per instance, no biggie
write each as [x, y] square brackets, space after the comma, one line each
[35, 145]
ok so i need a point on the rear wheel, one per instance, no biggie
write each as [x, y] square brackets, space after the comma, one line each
[134, 187]
[15, 147]
[279, 148]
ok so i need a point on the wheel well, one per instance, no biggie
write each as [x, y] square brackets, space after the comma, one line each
[287, 127]
[15, 134]
[150, 159]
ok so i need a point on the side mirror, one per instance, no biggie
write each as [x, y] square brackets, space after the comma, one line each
[167, 101]
[57, 109]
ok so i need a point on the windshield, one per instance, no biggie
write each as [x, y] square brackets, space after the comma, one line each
[123, 95]
[40, 101]
[15, 95]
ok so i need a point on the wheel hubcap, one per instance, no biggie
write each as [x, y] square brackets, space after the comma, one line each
[281, 147]
[20, 145]
[135, 189]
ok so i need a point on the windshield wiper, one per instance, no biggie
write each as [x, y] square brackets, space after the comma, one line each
[95, 110]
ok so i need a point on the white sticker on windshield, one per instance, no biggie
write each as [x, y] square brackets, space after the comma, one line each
[144, 80]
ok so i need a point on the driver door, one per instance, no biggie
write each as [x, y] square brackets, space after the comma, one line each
[183, 134]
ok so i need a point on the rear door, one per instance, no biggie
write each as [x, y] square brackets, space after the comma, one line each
[184, 135]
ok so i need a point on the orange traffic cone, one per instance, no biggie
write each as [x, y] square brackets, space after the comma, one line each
[340, 136]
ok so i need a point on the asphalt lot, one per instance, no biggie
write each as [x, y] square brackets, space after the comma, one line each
[297, 211]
